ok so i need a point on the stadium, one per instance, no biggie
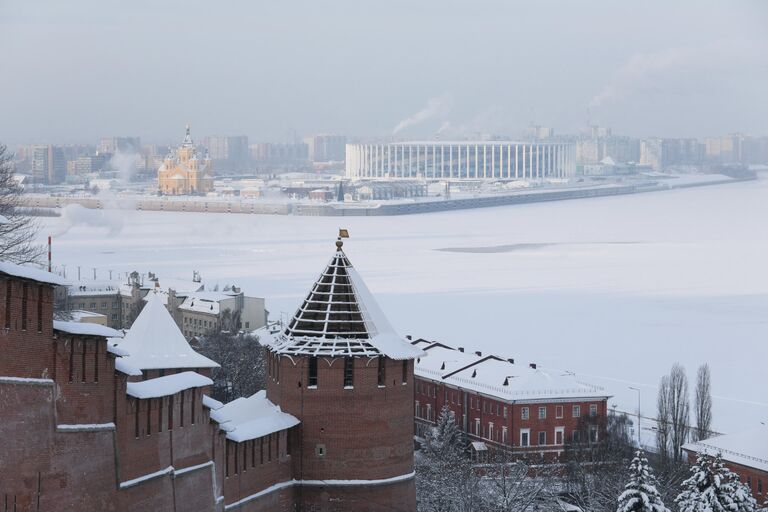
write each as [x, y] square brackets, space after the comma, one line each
[439, 160]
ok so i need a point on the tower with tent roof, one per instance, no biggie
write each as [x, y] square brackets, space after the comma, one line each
[340, 367]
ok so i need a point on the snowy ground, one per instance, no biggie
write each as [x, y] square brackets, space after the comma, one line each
[616, 289]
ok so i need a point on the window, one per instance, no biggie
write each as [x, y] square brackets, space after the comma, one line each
[524, 413]
[429, 412]
[504, 435]
[542, 413]
[542, 438]
[382, 371]
[405, 372]
[593, 433]
[759, 486]
[559, 435]
[93, 305]
[576, 413]
[477, 426]
[559, 411]
[104, 305]
[505, 411]
[593, 410]
[498, 410]
[181, 409]
[313, 371]
[417, 413]
[576, 436]
[525, 437]
[490, 431]
[349, 368]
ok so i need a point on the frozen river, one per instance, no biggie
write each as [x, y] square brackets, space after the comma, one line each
[616, 289]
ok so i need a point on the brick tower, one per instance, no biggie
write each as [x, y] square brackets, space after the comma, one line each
[340, 368]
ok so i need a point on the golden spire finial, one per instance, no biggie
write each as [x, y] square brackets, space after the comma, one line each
[343, 233]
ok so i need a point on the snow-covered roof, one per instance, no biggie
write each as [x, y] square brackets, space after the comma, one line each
[79, 315]
[212, 403]
[86, 329]
[167, 385]
[205, 302]
[248, 418]
[748, 448]
[340, 317]
[90, 288]
[31, 273]
[125, 367]
[503, 378]
[154, 341]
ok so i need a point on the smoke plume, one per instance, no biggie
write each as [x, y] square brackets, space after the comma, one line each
[436, 106]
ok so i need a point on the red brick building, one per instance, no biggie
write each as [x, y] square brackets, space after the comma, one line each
[744, 453]
[95, 422]
[502, 404]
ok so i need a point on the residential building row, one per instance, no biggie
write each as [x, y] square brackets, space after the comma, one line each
[500, 403]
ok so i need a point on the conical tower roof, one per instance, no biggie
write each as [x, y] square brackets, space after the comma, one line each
[340, 317]
[155, 341]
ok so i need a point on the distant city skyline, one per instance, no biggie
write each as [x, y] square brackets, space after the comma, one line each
[81, 71]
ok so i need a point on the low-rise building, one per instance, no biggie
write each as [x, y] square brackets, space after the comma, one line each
[503, 404]
[196, 310]
[745, 453]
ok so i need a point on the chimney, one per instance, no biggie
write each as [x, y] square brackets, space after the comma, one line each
[461, 349]
[474, 373]
[511, 361]
[408, 337]
[478, 353]
[506, 381]
[532, 365]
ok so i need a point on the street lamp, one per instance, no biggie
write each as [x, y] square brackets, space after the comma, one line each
[638, 415]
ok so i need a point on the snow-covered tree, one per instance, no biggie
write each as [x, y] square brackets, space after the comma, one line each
[446, 480]
[445, 441]
[640, 494]
[713, 487]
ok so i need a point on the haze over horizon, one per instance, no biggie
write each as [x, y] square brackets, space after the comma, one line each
[78, 71]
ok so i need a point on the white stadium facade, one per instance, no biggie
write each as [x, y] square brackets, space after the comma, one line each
[439, 160]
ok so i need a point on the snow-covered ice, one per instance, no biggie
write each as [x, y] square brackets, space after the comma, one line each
[615, 289]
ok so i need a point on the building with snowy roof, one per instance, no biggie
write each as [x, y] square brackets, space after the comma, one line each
[506, 404]
[745, 453]
[196, 310]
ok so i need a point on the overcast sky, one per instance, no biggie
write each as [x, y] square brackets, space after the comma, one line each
[77, 70]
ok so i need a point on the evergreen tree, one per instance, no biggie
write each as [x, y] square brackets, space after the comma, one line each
[641, 494]
[713, 487]
[445, 441]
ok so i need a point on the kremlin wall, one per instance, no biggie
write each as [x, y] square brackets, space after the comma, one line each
[106, 421]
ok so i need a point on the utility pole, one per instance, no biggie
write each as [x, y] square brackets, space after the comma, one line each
[638, 415]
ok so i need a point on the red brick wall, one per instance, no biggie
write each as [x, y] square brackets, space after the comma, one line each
[255, 465]
[85, 380]
[367, 431]
[381, 498]
[26, 430]
[26, 352]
